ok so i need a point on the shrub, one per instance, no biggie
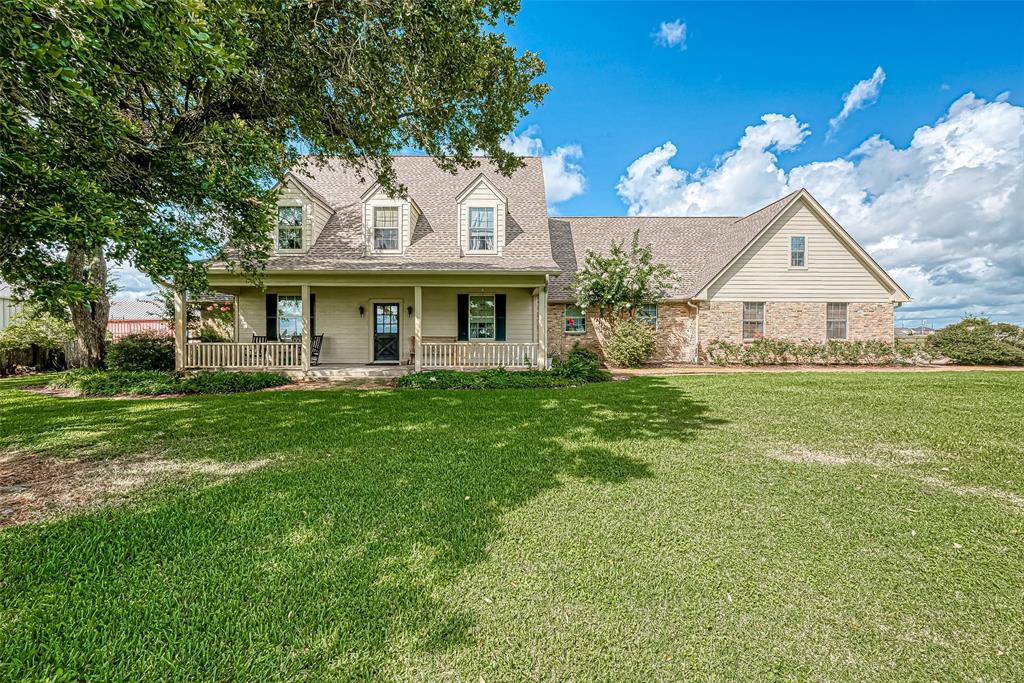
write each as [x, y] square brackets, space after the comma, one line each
[581, 365]
[767, 351]
[209, 335]
[230, 382]
[142, 351]
[89, 382]
[631, 344]
[979, 341]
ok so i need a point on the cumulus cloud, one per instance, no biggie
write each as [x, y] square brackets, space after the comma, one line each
[861, 95]
[563, 177]
[943, 215]
[131, 282]
[671, 34]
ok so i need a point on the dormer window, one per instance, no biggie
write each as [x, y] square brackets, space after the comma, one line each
[289, 227]
[386, 229]
[481, 228]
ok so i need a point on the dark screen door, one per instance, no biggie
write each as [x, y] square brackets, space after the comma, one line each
[385, 332]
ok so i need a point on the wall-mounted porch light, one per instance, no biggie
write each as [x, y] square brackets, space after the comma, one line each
[410, 311]
[362, 312]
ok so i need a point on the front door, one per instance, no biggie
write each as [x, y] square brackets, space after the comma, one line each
[385, 332]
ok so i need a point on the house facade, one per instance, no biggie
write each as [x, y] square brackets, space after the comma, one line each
[467, 270]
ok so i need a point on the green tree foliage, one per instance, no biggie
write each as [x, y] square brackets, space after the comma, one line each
[142, 351]
[148, 132]
[32, 326]
[979, 341]
[617, 283]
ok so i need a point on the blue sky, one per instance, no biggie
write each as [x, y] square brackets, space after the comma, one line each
[619, 93]
[720, 108]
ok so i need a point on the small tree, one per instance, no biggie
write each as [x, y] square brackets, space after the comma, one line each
[619, 282]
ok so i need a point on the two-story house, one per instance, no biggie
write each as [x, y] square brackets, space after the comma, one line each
[467, 271]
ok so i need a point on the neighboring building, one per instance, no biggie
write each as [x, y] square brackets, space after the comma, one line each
[907, 332]
[7, 306]
[468, 270]
[129, 317]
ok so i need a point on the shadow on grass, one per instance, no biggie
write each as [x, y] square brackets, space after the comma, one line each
[328, 563]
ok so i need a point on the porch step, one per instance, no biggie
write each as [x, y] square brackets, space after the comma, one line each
[357, 371]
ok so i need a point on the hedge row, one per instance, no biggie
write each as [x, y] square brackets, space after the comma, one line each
[766, 351]
[151, 383]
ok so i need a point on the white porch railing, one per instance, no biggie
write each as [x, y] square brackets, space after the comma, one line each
[251, 356]
[478, 355]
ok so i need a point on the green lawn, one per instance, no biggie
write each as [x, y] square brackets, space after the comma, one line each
[811, 526]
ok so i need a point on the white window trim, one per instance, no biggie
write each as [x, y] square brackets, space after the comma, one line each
[790, 253]
[743, 319]
[565, 317]
[373, 228]
[302, 228]
[497, 208]
[846, 321]
[469, 318]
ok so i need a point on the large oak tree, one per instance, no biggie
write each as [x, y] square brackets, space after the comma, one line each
[152, 131]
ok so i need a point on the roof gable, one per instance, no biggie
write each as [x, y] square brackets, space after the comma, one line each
[760, 222]
[481, 180]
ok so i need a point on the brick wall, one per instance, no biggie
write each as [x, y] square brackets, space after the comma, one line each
[674, 336]
[795, 321]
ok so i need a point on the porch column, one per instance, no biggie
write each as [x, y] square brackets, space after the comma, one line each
[306, 341]
[542, 326]
[180, 314]
[417, 305]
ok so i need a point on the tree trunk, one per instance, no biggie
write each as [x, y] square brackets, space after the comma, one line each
[88, 266]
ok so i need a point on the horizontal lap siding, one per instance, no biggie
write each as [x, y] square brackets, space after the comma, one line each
[833, 272]
[347, 336]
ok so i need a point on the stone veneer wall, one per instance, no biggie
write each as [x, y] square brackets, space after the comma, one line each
[795, 321]
[675, 333]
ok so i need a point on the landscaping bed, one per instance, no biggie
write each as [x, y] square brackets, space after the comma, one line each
[154, 383]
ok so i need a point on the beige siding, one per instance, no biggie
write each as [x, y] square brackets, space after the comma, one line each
[347, 336]
[407, 217]
[833, 272]
[482, 196]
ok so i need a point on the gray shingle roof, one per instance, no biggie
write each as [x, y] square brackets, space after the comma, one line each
[435, 242]
[696, 248]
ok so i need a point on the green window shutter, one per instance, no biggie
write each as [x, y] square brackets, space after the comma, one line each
[499, 317]
[312, 314]
[463, 311]
[271, 317]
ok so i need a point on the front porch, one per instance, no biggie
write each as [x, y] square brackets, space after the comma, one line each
[329, 329]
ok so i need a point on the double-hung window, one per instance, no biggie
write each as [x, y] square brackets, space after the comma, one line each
[575, 320]
[289, 227]
[797, 251]
[289, 318]
[481, 317]
[385, 228]
[835, 321]
[481, 228]
[753, 320]
[649, 314]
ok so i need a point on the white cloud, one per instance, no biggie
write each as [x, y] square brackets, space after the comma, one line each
[671, 34]
[861, 95]
[943, 215]
[563, 177]
[131, 282]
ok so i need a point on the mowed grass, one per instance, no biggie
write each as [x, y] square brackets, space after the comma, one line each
[818, 527]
